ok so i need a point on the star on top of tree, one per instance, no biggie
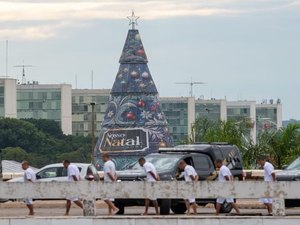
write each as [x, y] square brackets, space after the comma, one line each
[133, 20]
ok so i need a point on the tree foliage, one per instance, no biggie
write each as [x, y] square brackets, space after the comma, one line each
[281, 146]
[205, 130]
[14, 153]
[41, 142]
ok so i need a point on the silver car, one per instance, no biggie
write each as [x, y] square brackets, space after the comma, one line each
[57, 172]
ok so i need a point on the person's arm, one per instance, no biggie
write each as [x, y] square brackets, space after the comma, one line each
[153, 175]
[28, 177]
[270, 171]
[273, 176]
[227, 178]
[194, 178]
[74, 178]
[113, 178]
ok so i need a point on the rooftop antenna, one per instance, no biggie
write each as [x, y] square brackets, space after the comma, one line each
[23, 71]
[133, 20]
[192, 83]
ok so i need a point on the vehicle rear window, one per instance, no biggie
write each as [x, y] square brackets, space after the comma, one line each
[218, 154]
[201, 163]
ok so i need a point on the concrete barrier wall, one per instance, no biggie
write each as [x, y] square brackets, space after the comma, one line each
[162, 189]
[152, 220]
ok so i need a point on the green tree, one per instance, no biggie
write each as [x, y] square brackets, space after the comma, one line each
[14, 153]
[283, 143]
[200, 129]
[80, 155]
[50, 127]
[230, 131]
[43, 146]
[18, 133]
[281, 146]
[251, 150]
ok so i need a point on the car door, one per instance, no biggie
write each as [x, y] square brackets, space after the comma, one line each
[56, 173]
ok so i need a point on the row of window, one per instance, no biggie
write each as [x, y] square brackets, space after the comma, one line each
[88, 99]
[40, 114]
[28, 95]
[39, 105]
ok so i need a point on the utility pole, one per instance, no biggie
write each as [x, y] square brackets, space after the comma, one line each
[93, 130]
[191, 85]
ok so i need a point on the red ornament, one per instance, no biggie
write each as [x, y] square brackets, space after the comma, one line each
[130, 115]
[141, 104]
[140, 52]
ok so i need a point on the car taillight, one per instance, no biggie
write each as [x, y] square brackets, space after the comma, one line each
[89, 177]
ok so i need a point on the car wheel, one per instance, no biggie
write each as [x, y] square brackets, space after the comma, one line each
[165, 205]
[226, 208]
[121, 208]
[178, 208]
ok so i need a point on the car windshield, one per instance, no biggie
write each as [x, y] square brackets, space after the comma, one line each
[161, 162]
[295, 165]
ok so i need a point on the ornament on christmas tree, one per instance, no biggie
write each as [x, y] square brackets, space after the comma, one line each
[134, 74]
[145, 75]
[141, 103]
[140, 52]
[130, 115]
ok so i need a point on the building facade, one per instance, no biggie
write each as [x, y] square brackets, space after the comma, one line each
[82, 100]
[181, 114]
[73, 110]
[43, 101]
[8, 98]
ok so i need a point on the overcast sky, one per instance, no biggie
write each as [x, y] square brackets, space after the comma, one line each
[241, 49]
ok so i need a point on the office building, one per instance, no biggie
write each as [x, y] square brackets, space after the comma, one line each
[46, 101]
[8, 97]
[73, 110]
[82, 100]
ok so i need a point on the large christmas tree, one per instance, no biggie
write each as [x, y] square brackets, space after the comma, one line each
[134, 124]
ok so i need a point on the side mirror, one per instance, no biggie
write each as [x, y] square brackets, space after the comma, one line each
[38, 176]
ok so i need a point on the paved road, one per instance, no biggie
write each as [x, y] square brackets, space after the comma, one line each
[56, 208]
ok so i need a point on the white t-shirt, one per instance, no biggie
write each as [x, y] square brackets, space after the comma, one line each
[224, 171]
[109, 167]
[73, 171]
[149, 167]
[188, 171]
[29, 174]
[268, 170]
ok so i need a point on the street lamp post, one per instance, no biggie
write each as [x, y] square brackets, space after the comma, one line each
[93, 130]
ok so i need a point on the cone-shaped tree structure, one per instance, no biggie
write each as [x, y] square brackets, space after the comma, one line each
[134, 124]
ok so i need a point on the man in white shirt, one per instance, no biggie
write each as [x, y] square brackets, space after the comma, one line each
[190, 175]
[152, 176]
[224, 176]
[29, 176]
[269, 176]
[110, 176]
[73, 176]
